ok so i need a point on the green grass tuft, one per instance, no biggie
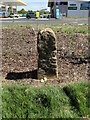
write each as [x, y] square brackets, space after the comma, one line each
[78, 94]
[24, 101]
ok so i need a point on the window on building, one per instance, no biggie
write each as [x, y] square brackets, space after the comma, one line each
[85, 6]
[72, 4]
[72, 8]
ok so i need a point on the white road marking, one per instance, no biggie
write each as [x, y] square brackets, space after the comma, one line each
[42, 19]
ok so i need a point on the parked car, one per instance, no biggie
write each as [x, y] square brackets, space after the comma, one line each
[14, 15]
[30, 15]
[23, 15]
[44, 16]
[1, 14]
[49, 16]
[41, 16]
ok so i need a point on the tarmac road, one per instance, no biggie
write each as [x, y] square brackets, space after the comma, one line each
[24, 21]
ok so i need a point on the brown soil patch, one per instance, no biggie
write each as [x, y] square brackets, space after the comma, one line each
[19, 53]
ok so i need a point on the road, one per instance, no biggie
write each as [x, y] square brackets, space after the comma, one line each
[43, 21]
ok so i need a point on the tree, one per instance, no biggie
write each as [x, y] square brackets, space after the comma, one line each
[22, 11]
[31, 11]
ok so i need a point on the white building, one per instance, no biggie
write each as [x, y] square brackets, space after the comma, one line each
[77, 8]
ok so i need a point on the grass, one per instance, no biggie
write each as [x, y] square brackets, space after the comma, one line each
[24, 101]
[78, 95]
[71, 28]
[65, 28]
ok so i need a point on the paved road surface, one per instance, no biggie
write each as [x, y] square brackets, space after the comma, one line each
[43, 21]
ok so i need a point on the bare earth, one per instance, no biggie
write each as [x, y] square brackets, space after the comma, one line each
[19, 54]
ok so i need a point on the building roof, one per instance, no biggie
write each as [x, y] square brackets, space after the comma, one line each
[13, 2]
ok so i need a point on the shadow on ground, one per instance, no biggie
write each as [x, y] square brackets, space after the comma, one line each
[21, 75]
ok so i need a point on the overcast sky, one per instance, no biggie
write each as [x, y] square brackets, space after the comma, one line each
[35, 5]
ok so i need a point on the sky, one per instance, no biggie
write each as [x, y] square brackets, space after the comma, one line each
[35, 5]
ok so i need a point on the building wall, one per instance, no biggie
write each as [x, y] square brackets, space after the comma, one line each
[71, 13]
[78, 12]
[83, 13]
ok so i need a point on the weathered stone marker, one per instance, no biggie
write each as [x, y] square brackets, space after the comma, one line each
[47, 58]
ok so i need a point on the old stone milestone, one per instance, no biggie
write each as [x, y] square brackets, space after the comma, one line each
[47, 54]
